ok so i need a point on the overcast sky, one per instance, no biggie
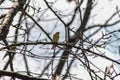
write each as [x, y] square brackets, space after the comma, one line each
[103, 10]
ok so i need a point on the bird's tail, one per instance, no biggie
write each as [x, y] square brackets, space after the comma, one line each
[54, 46]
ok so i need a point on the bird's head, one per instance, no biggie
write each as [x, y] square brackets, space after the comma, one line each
[58, 33]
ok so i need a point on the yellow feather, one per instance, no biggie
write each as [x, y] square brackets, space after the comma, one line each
[55, 39]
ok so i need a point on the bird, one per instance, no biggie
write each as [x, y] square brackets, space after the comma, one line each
[69, 0]
[55, 39]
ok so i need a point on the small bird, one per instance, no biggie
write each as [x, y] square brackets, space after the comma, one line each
[69, 0]
[55, 39]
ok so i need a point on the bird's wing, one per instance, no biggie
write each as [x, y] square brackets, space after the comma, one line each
[55, 37]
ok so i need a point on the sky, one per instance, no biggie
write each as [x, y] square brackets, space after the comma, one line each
[102, 12]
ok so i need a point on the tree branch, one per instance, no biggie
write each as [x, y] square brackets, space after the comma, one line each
[16, 75]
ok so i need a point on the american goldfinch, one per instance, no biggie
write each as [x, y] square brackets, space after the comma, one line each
[55, 39]
[69, 0]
